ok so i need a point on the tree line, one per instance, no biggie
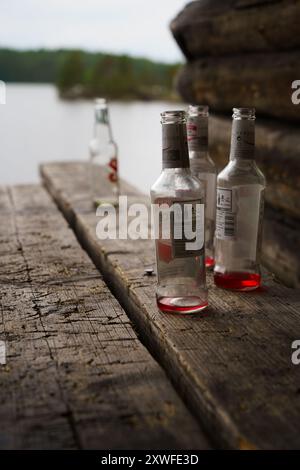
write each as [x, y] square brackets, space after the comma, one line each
[78, 73]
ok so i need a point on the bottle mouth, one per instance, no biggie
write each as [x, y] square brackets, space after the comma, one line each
[198, 110]
[244, 113]
[100, 102]
[174, 116]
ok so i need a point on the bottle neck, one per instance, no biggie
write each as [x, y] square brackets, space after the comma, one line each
[242, 139]
[177, 171]
[102, 128]
[242, 163]
[102, 132]
[197, 132]
[174, 146]
[199, 155]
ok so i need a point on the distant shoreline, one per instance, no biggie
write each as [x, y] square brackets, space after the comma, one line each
[79, 74]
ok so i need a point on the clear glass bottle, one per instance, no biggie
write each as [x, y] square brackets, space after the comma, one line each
[204, 168]
[181, 270]
[240, 203]
[103, 156]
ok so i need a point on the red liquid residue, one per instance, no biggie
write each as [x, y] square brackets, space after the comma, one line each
[209, 262]
[164, 251]
[237, 281]
[165, 304]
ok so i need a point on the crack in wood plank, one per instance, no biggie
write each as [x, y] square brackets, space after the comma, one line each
[232, 364]
[65, 339]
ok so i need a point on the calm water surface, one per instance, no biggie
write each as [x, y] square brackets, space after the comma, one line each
[36, 126]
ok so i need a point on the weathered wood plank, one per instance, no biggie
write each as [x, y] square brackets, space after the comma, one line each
[281, 246]
[257, 80]
[222, 27]
[232, 363]
[76, 376]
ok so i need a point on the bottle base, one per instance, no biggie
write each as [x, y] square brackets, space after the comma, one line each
[240, 281]
[181, 305]
[209, 262]
[105, 202]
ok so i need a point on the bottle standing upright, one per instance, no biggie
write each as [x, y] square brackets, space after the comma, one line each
[240, 202]
[103, 153]
[204, 168]
[180, 257]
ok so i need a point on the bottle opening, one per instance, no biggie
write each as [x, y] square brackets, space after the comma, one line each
[100, 103]
[173, 117]
[244, 113]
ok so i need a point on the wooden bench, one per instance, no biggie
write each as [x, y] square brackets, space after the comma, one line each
[232, 364]
[76, 374]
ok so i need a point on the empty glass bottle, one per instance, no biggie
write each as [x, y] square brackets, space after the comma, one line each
[204, 168]
[179, 254]
[104, 180]
[240, 202]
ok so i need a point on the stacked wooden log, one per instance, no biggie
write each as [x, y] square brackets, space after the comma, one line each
[247, 53]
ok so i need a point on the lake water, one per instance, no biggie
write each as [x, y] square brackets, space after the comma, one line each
[36, 126]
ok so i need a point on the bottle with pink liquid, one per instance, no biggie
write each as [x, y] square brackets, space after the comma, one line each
[179, 199]
[204, 168]
[240, 203]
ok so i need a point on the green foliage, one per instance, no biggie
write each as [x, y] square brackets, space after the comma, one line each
[113, 76]
[71, 72]
[30, 66]
[126, 77]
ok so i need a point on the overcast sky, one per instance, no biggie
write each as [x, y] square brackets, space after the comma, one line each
[135, 27]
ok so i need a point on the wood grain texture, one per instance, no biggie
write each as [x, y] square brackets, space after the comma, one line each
[76, 376]
[262, 81]
[222, 27]
[232, 364]
[281, 246]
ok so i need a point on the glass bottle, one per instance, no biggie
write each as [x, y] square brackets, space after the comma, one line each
[240, 203]
[204, 168]
[180, 267]
[104, 179]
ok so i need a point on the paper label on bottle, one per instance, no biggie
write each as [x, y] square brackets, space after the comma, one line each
[224, 199]
[174, 146]
[242, 139]
[186, 236]
[197, 133]
[225, 217]
[225, 225]
[239, 218]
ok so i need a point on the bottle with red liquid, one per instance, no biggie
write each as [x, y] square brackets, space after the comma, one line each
[240, 203]
[204, 168]
[179, 224]
[103, 158]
